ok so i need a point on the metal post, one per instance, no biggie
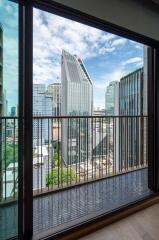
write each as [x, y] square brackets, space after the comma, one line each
[25, 207]
[153, 118]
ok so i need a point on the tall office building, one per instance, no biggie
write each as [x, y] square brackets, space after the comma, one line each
[112, 123]
[110, 98]
[1, 110]
[77, 100]
[55, 90]
[116, 122]
[42, 106]
[5, 103]
[131, 129]
[13, 111]
[145, 82]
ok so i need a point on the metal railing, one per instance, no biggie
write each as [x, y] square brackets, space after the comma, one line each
[72, 150]
[8, 158]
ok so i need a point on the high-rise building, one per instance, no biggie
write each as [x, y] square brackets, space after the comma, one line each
[131, 93]
[110, 98]
[99, 112]
[145, 82]
[42, 106]
[131, 129]
[5, 103]
[77, 100]
[55, 90]
[116, 128]
[112, 133]
[13, 111]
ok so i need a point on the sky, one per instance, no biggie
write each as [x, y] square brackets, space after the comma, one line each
[9, 22]
[107, 57]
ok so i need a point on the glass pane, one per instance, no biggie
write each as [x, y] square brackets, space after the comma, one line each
[90, 122]
[8, 119]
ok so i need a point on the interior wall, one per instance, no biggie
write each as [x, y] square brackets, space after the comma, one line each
[141, 16]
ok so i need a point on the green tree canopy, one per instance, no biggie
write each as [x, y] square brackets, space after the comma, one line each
[10, 154]
[56, 160]
[59, 176]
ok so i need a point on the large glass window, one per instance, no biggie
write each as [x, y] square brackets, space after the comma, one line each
[90, 120]
[8, 119]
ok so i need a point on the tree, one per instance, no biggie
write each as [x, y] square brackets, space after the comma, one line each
[57, 176]
[10, 154]
[56, 160]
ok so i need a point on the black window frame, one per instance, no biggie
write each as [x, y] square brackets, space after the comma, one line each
[25, 199]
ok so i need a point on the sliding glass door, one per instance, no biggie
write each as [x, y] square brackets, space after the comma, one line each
[8, 119]
[77, 118]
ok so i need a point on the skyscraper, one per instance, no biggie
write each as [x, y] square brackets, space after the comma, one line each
[55, 90]
[112, 109]
[13, 111]
[77, 100]
[5, 103]
[110, 98]
[131, 129]
[42, 106]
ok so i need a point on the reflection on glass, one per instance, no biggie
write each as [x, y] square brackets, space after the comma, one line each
[8, 126]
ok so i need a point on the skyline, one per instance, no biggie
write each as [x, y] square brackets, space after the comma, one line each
[94, 108]
[107, 57]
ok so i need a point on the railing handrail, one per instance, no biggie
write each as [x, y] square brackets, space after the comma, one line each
[68, 116]
[97, 146]
[8, 117]
[92, 116]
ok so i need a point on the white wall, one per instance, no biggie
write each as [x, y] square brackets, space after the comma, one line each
[136, 15]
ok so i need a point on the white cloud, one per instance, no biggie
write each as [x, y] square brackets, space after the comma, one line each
[135, 60]
[53, 33]
[119, 42]
[139, 46]
[104, 50]
[9, 9]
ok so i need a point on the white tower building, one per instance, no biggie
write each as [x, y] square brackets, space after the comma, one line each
[77, 100]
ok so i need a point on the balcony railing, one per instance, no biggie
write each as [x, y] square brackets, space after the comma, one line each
[83, 167]
[73, 150]
[9, 158]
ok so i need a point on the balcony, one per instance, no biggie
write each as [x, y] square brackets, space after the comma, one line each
[101, 167]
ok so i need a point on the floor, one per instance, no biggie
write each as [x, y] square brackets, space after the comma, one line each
[63, 209]
[143, 225]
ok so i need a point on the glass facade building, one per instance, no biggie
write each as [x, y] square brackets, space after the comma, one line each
[13, 111]
[42, 106]
[110, 98]
[77, 100]
[112, 125]
[55, 90]
[132, 130]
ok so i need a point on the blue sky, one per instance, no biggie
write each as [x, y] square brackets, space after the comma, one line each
[107, 57]
[9, 22]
